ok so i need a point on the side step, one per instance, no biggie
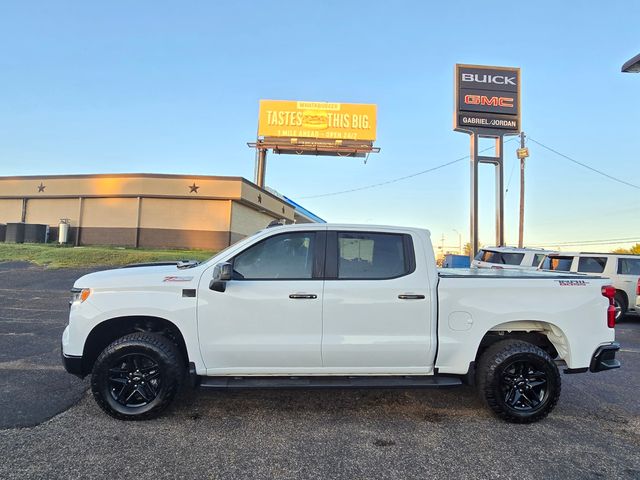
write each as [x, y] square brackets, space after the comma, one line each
[330, 382]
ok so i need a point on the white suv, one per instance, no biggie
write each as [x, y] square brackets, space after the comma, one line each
[623, 270]
[509, 257]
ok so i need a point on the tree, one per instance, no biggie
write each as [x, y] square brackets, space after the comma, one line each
[635, 250]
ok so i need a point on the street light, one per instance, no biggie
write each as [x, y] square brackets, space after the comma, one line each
[632, 66]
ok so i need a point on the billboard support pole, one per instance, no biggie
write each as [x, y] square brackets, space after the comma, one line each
[261, 167]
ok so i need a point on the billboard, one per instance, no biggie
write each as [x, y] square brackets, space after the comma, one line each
[487, 99]
[317, 120]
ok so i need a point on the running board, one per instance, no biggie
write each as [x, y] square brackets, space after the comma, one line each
[330, 382]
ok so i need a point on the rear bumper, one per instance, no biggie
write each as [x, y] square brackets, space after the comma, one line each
[604, 358]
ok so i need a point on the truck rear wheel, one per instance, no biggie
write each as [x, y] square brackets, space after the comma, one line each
[137, 376]
[620, 303]
[518, 381]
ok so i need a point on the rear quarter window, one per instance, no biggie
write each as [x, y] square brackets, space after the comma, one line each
[592, 264]
[629, 266]
[512, 258]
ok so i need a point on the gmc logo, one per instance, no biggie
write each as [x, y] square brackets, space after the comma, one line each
[489, 101]
[484, 78]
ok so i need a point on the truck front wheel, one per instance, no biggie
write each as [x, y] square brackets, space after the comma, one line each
[518, 381]
[137, 376]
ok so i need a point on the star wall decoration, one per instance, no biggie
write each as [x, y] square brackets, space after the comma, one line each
[193, 188]
[41, 187]
[259, 198]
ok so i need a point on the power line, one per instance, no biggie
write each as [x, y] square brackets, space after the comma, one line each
[605, 240]
[599, 172]
[398, 179]
[412, 175]
[610, 241]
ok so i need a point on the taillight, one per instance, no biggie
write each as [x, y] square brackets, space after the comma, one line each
[609, 291]
[638, 287]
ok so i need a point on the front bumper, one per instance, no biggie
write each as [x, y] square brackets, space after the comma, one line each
[72, 364]
[604, 358]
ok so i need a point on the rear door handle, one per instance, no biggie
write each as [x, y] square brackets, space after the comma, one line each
[303, 296]
[409, 296]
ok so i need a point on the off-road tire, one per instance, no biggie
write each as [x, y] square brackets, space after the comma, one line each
[152, 348]
[493, 380]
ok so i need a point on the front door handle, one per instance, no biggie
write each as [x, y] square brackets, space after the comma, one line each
[303, 296]
[409, 296]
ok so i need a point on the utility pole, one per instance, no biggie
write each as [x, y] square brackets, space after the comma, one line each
[522, 153]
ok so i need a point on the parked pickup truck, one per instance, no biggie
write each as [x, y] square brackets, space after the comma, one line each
[321, 305]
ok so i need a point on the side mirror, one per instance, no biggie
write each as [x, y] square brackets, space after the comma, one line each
[222, 273]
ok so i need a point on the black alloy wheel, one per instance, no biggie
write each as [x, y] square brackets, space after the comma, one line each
[134, 380]
[524, 386]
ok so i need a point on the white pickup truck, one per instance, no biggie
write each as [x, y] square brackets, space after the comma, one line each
[321, 305]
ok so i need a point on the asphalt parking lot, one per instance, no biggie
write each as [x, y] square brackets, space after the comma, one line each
[51, 428]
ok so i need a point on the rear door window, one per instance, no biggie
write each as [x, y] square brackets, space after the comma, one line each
[500, 258]
[592, 264]
[557, 263]
[372, 256]
[629, 266]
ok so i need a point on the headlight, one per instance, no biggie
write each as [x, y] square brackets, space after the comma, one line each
[79, 295]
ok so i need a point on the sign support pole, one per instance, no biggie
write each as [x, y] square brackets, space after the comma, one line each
[497, 161]
[473, 225]
[499, 193]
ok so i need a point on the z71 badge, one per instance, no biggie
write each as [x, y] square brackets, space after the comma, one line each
[174, 278]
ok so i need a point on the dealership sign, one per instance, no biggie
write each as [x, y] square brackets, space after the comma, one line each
[487, 99]
[317, 120]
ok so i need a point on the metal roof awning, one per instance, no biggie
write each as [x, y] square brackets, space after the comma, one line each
[633, 65]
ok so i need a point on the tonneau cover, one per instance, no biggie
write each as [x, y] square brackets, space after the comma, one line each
[508, 273]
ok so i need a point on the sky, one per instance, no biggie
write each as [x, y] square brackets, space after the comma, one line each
[173, 87]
